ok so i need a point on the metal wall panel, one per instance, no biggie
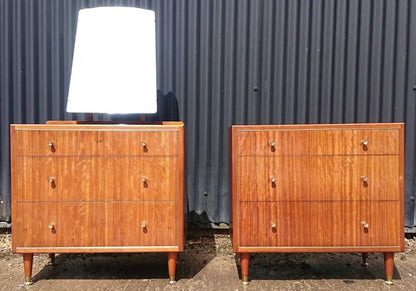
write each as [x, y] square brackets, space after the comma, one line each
[229, 62]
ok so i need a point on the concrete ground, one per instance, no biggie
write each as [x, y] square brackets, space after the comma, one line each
[208, 263]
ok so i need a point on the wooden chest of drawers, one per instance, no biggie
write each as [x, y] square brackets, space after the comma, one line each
[317, 188]
[97, 188]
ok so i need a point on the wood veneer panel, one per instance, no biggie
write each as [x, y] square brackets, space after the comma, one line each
[144, 224]
[82, 224]
[312, 141]
[73, 178]
[36, 142]
[96, 141]
[30, 227]
[319, 224]
[160, 174]
[311, 178]
[156, 143]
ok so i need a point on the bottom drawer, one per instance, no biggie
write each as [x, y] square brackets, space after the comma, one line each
[144, 224]
[318, 224]
[96, 224]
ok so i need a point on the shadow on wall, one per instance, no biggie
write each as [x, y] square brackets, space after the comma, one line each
[167, 110]
[201, 221]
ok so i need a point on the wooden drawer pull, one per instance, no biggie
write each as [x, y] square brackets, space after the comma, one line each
[273, 225]
[364, 142]
[365, 224]
[143, 224]
[273, 144]
[365, 181]
[144, 145]
[51, 145]
[51, 226]
[273, 181]
[51, 180]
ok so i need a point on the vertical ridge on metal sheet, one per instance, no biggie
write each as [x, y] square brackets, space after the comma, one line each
[410, 118]
[5, 105]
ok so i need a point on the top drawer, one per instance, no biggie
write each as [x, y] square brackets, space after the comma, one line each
[96, 142]
[317, 141]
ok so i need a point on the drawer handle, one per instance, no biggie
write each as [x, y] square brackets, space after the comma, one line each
[273, 179]
[144, 145]
[144, 180]
[51, 180]
[51, 145]
[143, 224]
[273, 225]
[272, 143]
[365, 179]
[364, 142]
[365, 224]
[51, 226]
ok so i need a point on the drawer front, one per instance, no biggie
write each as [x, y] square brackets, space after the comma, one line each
[147, 143]
[311, 178]
[56, 142]
[319, 224]
[94, 142]
[96, 179]
[317, 142]
[146, 179]
[31, 223]
[96, 224]
[61, 224]
[144, 224]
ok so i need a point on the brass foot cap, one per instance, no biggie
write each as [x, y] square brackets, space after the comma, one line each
[245, 281]
[172, 280]
[388, 282]
[28, 281]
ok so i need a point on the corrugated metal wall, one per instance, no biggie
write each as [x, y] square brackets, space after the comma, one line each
[229, 62]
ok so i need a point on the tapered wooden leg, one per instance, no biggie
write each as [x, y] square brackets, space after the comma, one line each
[172, 258]
[51, 259]
[389, 266]
[244, 257]
[365, 259]
[28, 263]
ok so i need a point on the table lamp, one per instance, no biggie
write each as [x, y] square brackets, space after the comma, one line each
[114, 62]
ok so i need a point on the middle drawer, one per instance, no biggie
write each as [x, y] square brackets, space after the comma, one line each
[97, 178]
[321, 178]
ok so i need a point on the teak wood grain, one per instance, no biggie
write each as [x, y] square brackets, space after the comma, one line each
[317, 188]
[97, 188]
[322, 178]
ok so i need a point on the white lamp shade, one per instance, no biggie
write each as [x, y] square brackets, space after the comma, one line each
[114, 63]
